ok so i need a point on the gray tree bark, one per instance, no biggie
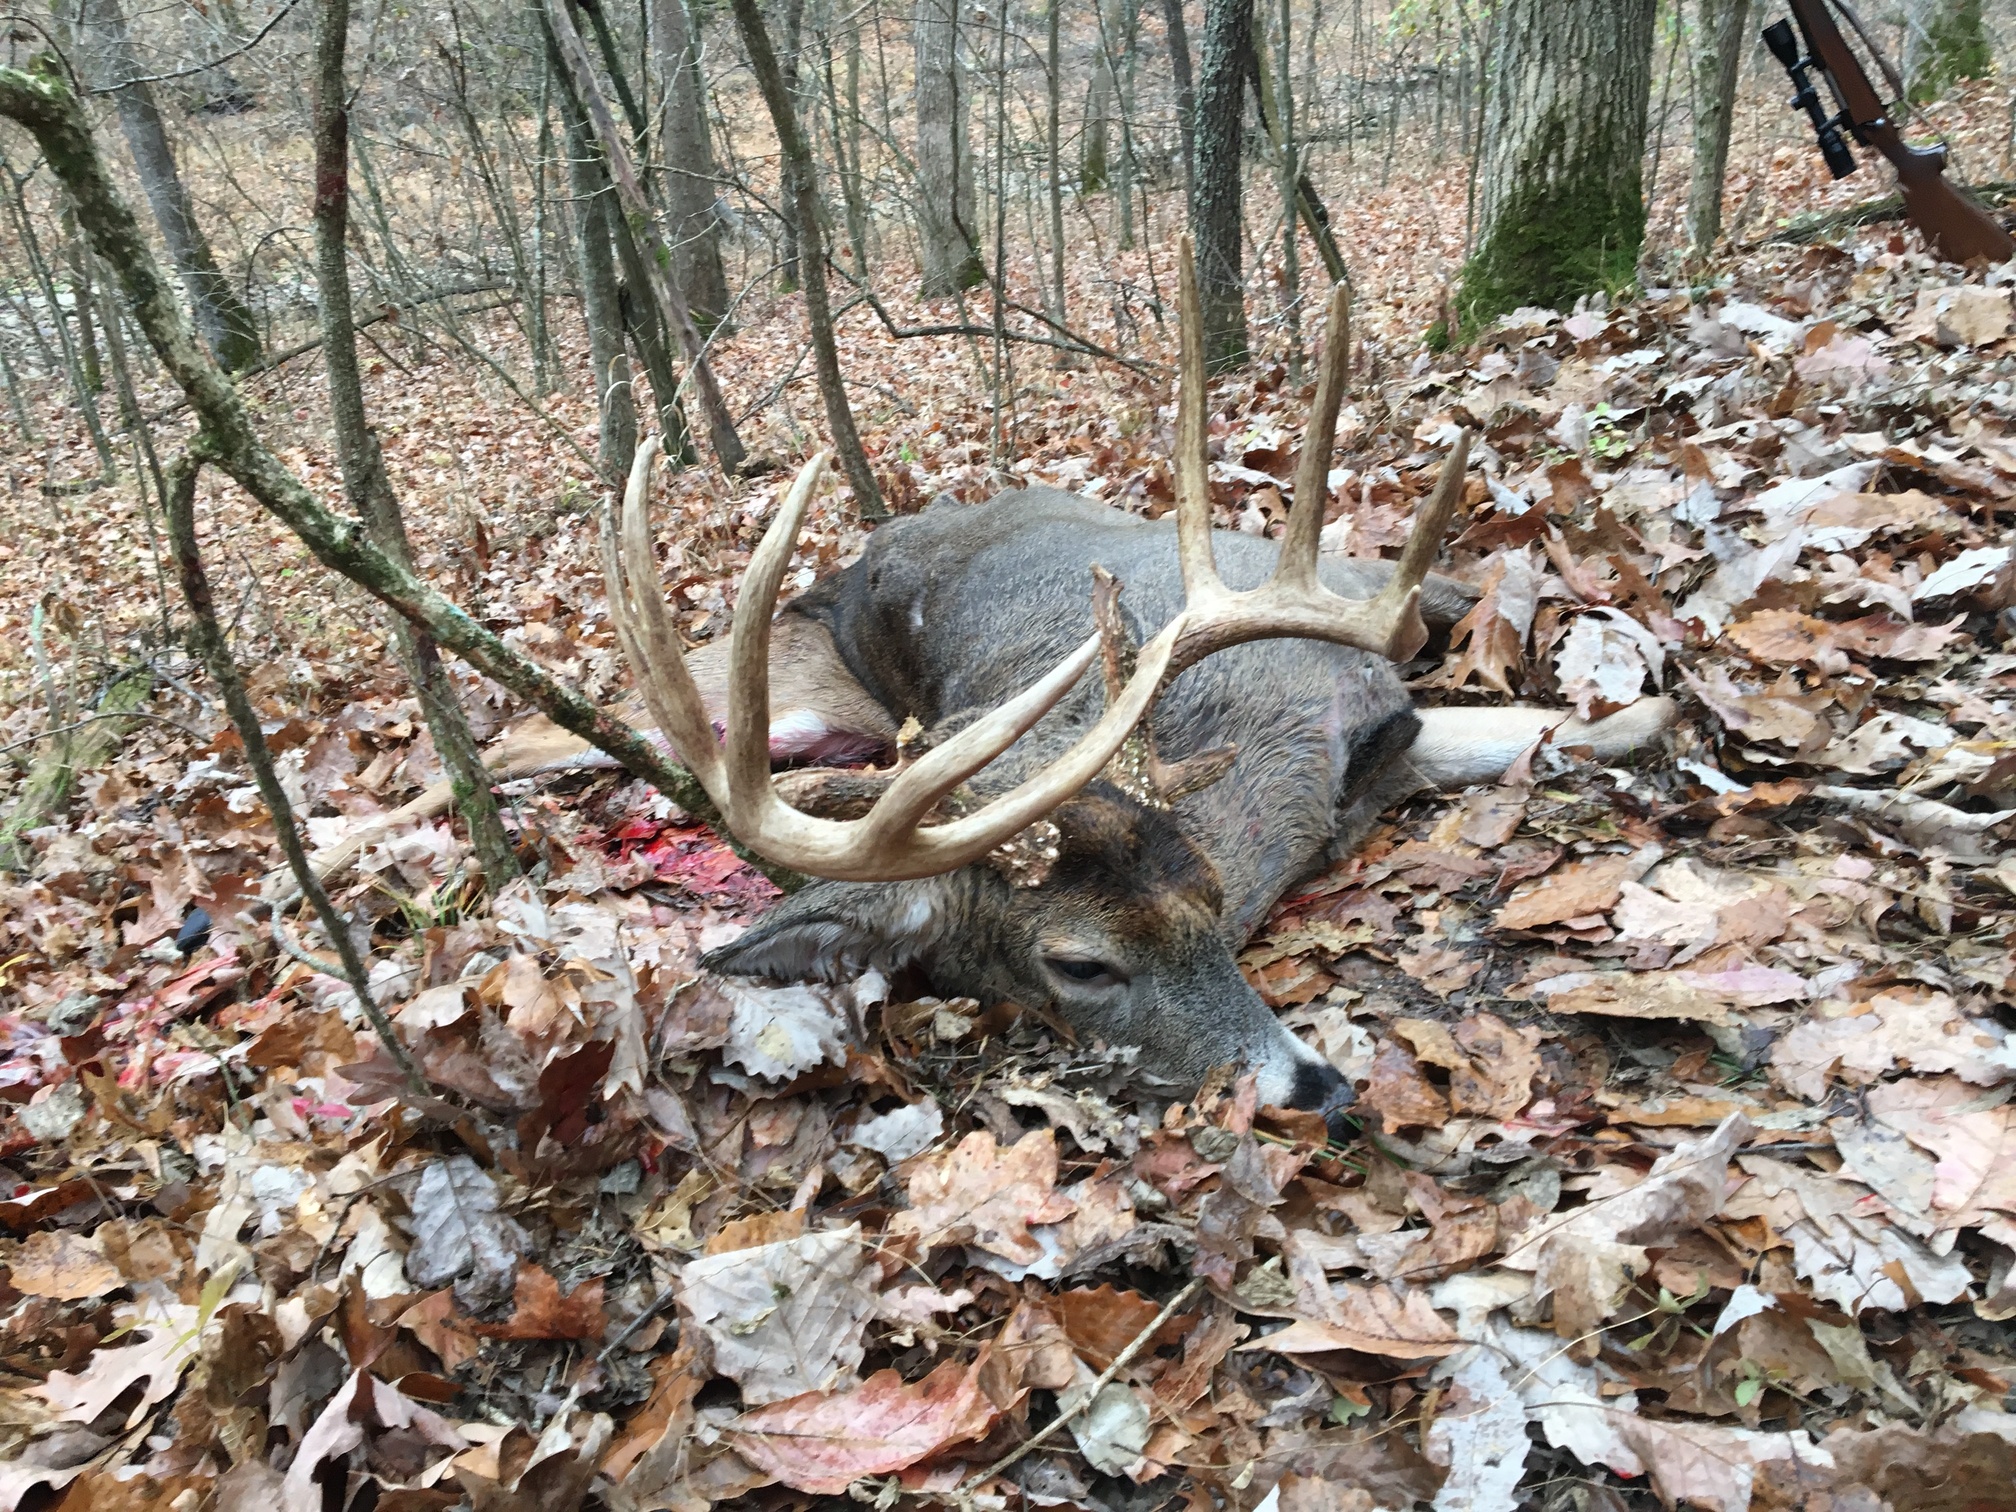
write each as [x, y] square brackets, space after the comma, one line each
[688, 154]
[222, 319]
[1219, 180]
[1560, 196]
[601, 300]
[1721, 35]
[945, 205]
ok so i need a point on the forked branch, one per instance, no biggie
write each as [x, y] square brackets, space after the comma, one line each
[896, 838]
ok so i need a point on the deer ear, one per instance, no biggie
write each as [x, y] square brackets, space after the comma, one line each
[830, 931]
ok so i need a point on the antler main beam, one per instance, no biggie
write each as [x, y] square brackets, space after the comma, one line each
[893, 840]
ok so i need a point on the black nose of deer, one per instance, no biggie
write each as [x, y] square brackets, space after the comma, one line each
[1320, 1089]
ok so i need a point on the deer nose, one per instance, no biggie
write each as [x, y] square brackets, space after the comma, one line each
[1319, 1088]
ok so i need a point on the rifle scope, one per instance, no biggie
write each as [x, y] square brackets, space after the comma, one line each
[1834, 150]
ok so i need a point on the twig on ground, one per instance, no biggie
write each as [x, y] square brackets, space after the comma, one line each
[1121, 1361]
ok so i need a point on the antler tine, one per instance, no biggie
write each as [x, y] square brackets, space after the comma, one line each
[649, 639]
[749, 643]
[1192, 460]
[1297, 566]
[1401, 598]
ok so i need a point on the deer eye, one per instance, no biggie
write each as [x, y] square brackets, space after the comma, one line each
[1085, 972]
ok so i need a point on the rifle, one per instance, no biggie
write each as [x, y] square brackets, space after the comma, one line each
[1956, 225]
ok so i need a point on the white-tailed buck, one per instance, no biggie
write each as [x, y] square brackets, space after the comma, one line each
[1047, 841]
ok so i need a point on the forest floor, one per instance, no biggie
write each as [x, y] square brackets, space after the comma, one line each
[1689, 1157]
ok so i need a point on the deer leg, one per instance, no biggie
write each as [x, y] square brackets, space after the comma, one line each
[1458, 747]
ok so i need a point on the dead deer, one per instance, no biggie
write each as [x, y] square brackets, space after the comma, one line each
[1096, 843]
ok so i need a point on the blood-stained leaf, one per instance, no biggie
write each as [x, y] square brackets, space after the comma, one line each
[540, 1311]
[822, 1441]
[786, 1315]
[63, 1265]
[981, 1194]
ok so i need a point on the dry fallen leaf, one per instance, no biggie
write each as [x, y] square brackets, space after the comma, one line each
[63, 1265]
[785, 1316]
[821, 1442]
[978, 1193]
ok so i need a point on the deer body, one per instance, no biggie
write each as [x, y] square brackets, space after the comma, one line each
[1132, 937]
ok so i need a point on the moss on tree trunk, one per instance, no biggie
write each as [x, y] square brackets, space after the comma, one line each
[1561, 207]
[1948, 42]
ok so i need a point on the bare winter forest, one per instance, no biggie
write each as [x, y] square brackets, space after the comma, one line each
[1590, 1090]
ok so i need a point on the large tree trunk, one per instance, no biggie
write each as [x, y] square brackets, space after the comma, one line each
[1561, 208]
[945, 213]
[222, 319]
[1215, 205]
[1945, 41]
[1720, 35]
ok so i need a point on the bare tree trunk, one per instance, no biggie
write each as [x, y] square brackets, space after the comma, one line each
[79, 256]
[801, 199]
[793, 275]
[73, 362]
[1053, 165]
[945, 208]
[1561, 207]
[601, 300]
[1720, 34]
[1186, 89]
[688, 155]
[647, 260]
[1094, 159]
[1216, 191]
[847, 144]
[221, 316]
[365, 483]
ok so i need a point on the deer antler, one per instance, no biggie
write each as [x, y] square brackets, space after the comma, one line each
[893, 840]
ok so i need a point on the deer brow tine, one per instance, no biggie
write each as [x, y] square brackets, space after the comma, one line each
[917, 790]
[1297, 564]
[749, 639]
[652, 645]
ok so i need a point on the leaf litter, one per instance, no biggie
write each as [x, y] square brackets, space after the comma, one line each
[1685, 1173]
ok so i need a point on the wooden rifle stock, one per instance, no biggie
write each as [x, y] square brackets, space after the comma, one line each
[1958, 228]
